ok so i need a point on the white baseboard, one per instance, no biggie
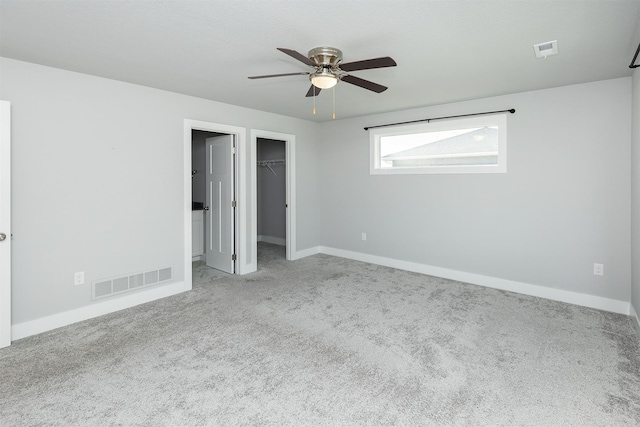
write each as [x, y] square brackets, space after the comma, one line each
[306, 252]
[44, 324]
[273, 240]
[33, 327]
[576, 298]
[635, 318]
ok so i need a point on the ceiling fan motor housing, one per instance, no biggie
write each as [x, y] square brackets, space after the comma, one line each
[326, 57]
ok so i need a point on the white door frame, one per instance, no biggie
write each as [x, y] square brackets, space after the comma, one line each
[240, 134]
[290, 156]
[5, 223]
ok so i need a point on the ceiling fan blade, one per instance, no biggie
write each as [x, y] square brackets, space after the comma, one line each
[368, 64]
[375, 87]
[311, 89]
[297, 55]
[279, 75]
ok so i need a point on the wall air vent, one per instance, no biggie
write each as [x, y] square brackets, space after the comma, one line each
[103, 288]
[545, 49]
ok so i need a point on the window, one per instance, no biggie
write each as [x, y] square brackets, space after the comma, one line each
[469, 145]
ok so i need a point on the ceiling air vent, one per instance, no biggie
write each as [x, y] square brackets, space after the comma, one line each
[545, 49]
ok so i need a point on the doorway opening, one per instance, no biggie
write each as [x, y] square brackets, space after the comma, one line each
[213, 196]
[219, 160]
[5, 224]
[271, 176]
[272, 146]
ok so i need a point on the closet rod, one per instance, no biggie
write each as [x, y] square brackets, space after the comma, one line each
[268, 164]
[441, 118]
[271, 162]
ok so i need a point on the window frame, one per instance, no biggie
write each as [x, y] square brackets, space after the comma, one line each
[499, 120]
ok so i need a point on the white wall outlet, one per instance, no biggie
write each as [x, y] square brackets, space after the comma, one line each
[364, 236]
[78, 278]
[598, 269]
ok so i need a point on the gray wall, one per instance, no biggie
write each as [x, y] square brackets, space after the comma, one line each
[98, 187]
[271, 190]
[635, 195]
[563, 204]
[98, 180]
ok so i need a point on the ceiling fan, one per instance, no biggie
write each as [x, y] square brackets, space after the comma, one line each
[328, 69]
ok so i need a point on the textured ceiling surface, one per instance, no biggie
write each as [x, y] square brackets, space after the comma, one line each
[446, 50]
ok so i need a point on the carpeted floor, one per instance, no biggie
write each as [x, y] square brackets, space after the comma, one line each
[202, 274]
[325, 341]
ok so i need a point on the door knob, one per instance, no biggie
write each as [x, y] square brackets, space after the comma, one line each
[2, 236]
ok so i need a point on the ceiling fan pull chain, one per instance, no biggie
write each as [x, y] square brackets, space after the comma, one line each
[334, 103]
[314, 100]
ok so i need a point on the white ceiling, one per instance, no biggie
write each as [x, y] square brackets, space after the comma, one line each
[446, 50]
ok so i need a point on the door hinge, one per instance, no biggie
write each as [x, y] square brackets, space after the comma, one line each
[233, 203]
[233, 257]
[233, 150]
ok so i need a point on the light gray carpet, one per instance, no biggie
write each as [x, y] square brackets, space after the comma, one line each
[202, 274]
[325, 341]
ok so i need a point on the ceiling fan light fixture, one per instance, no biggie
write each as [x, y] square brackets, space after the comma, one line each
[324, 79]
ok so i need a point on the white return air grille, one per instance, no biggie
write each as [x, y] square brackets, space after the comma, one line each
[108, 287]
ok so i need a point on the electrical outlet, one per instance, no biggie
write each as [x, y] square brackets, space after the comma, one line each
[78, 278]
[364, 236]
[598, 269]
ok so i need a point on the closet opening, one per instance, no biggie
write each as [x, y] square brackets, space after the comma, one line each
[271, 177]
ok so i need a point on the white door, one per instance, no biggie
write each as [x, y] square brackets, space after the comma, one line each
[219, 217]
[5, 224]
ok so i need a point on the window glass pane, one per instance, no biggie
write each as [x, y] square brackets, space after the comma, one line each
[467, 145]
[460, 147]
